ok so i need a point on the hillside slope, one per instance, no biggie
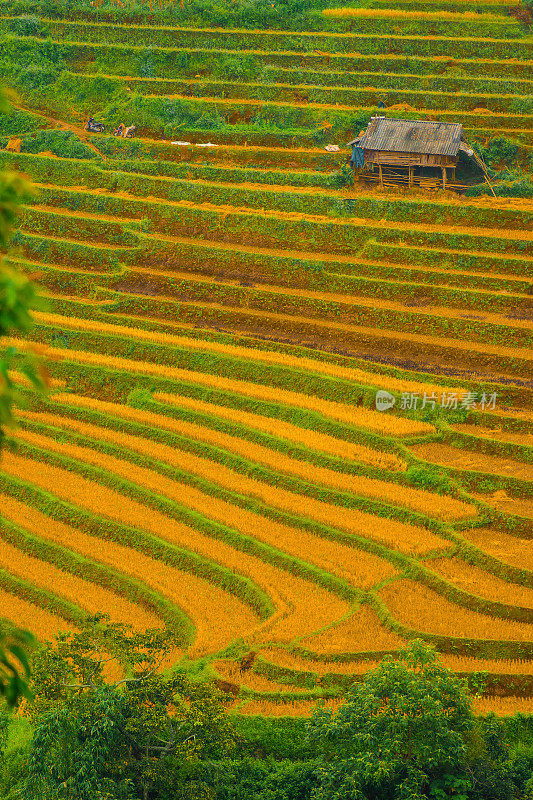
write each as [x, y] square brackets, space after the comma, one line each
[221, 315]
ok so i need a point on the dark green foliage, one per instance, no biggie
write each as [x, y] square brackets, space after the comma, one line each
[64, 144]
[115, 741]
[281, 738]
[429, 478]
[499, 765]
[12, 769]
[400, 733]
[246, 779]
[518, 188]
[500, 150]
[14, 669]
[343, 178]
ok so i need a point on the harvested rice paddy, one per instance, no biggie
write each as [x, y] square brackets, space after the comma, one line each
[221, 317]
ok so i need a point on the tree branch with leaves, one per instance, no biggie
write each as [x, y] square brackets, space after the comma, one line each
[117, 739]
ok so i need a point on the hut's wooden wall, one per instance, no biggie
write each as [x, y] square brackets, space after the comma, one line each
[408, 159]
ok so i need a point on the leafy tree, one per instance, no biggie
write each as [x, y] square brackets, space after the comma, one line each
[17, 296]
[97, 739]
[400, 733]
[14, 667]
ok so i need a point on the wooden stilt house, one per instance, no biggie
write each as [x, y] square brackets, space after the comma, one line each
[406, 148]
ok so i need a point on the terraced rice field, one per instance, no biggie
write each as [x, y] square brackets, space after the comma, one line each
[210, 457]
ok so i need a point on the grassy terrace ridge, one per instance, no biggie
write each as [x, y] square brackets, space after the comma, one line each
[219, 319]
[216, 38]
[128, 57]
[313, 94]
[268, 186]
[82, 203]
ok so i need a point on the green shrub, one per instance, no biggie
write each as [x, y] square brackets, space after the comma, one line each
[501, 149]
[12, 767]
[428, 478]
[30, 25]
[400, 735]
[344, 177]
[237, 68]
[147, 65]
[518, 188]
[64, 144]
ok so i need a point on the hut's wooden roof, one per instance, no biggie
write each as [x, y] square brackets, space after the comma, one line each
[411, 136]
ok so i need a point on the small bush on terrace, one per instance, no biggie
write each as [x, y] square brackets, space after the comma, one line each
[344, 177]
[30, 25]
[428, 478]
[237, 68]
[61, 143]
[499, 151]
[523, 187]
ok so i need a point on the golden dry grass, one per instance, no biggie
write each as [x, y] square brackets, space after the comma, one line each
[423, 16]
[392, 425]
[89, 596]
[217, 615]
[497, 666]
[362, 631]
[359, 568]
[229, 671]
[440, 506]
[250, 353]
[450, 456]
[311, 606]
[426, 611]
[376, 421]
[43, 624]
[509, 549]
[283, 430]
[292, 708]
[503, 706]
[397, 535]
[474, 580]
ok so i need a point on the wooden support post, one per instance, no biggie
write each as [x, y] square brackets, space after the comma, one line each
[444, 177]
[380, 175]
[410, 177]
